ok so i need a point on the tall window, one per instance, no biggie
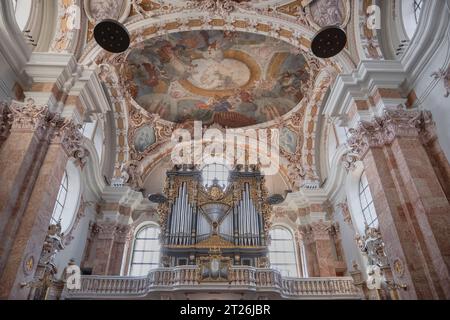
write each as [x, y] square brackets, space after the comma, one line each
[22, 10]
[411, 12]
[417, 9]
[215, 172]
[60, 204]
[282, 254]
[365, 197]
[146, 251]
[68, 198]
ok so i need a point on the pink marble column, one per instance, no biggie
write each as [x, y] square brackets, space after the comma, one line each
[35, 156]
[319, 250]
[21, 154]
[107, 248]
[324, 249]
[413, 209]
[122, 237]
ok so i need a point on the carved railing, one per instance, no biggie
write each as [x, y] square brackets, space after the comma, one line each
[241, 278]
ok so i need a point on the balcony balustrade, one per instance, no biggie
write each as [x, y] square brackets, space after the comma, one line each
[187, 278]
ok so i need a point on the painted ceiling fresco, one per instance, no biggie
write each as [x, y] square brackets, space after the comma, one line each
[234, 79]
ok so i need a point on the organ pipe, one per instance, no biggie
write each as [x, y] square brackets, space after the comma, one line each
[241, 224]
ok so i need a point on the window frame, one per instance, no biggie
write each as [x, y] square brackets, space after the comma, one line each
[133, 249]
[296, 260]
[208, 182]
[417, 9]
[366, 208]
[63, 186]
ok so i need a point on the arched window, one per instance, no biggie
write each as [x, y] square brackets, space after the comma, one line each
[215, 172]
[22, 11]
[417, 9]
[68, 197]
[99, 141]
[94, 132]
[282, 253]
[145, 251]
[411, 10]
[366, 200]
[60, 200]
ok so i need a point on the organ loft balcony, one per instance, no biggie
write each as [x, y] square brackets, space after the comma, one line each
[197, 282]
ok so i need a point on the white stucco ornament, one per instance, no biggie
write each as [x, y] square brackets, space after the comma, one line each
[374, 278]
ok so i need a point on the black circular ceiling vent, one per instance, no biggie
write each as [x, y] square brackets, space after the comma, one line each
[112, 36]
[157, 198]
[329, 42]
[275, 199]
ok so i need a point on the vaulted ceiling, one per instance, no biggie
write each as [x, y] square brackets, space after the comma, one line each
[225, 63]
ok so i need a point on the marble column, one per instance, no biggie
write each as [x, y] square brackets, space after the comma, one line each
[122, 238]
[107, 247]
[410, 199]
[34, 155]
[324, 249]
[319, 249]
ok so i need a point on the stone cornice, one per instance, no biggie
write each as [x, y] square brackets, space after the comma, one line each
[363, 84]
[426, 41]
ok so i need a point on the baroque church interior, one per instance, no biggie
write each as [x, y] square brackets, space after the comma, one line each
[350, 201]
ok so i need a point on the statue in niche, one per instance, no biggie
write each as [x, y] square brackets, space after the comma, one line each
[131, 175]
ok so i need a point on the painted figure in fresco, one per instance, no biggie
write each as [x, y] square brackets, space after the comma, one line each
[204, 75]
[144, 138]
[327, 12]
[288, 140]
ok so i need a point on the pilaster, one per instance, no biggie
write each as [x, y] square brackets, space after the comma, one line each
[412, 206]
[35, 155]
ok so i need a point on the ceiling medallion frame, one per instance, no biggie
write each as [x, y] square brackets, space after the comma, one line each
[274, 67]
[329, 17]
[104, 12]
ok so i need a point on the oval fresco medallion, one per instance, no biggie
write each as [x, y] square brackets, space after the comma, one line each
[235, 79]
[144, 137]
[288, 140]
[323, 13]
[98, 10]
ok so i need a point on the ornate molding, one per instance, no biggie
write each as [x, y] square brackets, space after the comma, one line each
[349, 160]
[81, 213]
[396, 122]
[319, 230]
[372, 245]
[48, 125]
[28, 116]
[346, 212]
[46, 271]
[131, 175]
[219, 7]
[107, 230]
[444, 76]
[69, 135]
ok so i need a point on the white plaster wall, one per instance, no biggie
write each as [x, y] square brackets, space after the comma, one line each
[430, 91]
[75, 249]
[351, 250]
